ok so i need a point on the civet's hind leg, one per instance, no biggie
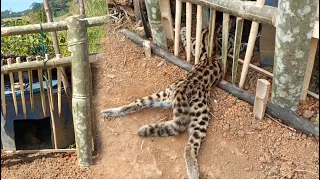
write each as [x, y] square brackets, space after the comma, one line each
[197, 131]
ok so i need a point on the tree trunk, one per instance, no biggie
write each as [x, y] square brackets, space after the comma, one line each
[295, 23]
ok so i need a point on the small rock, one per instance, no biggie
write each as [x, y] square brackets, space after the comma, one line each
[247, 169]
[262, 160]
[307, 114]
[269, 121]
[274, 170]
[144, 64]
[259, 135]
[161, 63]
[241, 133]
[303, 136]
[226, 127]
[111, 76]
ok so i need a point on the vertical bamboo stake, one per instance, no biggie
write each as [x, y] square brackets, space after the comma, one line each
[212, 27]
[13, 89]
[43, 100]
[31, 86]
[78, 46]
[225, 36]
[251, 42]
[59, 86]
[49, 78]
[147, 48]
[177, 27]
[188, 29]
[261, 98]
[198, 33]
[236, 49]
[53, 124]
[23, 99]
[3, 95]
[308, 73]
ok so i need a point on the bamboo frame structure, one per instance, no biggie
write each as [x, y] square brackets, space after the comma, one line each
[31, 86]
[225, 36]
[3, 96]
[13, 89]
[198, 33]
[40, 79]
[59, 72]
[249, 51]
[212, 26]
[23, 99]
[236, 48]
[188, 29]
[177, 27]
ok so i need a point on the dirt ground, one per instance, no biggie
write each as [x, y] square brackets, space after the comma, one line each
[236, 146]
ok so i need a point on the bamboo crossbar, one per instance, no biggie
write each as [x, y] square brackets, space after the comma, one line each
[49, 27]
[247, 10]
[40, 151]
[52, 63]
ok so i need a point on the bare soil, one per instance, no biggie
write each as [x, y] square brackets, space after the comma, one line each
[236, 146]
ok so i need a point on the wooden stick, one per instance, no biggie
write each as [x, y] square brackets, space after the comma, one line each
[40, 151]
[23, 99]
[49, 78]
[198, 33]
[212, 26]
[309, 68]
[31, 86]
[43, 100]
[188, 29]
[236, 49]
[14, 96]
[225, 36]
[177, 27]
[261, 98]
[147, 48]
[3, 95]
[59, 86]
[166, 18]
[251, 42]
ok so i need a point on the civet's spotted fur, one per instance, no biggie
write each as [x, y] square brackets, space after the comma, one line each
[189, 100]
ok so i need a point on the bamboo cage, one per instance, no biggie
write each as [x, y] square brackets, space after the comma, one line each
[258, 13]
[79, 61]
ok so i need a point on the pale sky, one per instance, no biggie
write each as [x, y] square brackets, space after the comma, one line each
[17, 5]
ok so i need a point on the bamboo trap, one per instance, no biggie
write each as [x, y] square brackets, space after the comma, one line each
[251, 42]
[23, 99]
[188, 29]
[13, 90]
[198, 33]
[51, 114]
[58, 56]
[225, 36]
[212, 26]
[236, 48]
[31, 85]
[43, 100]
[3, 95]
[49, 80]
[177, 27]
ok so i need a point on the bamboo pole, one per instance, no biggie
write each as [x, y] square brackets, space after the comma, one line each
[188, 29]
[78, 46]
[23, 99]
[198, 33]
[261, 98]
[3, 95]
[293, 37]
[58, 56]
[14, 96]
[49, 27]
[52, 63]
[309, 68]
[236, 49]
[166, 18]
[53, 124]
[49, 82]
[30, 85]
[249, 50]
[177, 27]
[82, 9]
[225, 36]
[154, 17]
[212, 26]
[39, 151]
[40, 78]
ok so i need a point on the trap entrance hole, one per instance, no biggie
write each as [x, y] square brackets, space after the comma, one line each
[31, 134]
